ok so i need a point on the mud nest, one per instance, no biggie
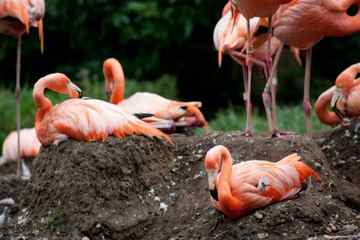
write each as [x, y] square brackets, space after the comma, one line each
[139, 188]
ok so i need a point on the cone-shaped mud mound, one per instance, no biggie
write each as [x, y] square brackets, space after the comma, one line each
[139, 188]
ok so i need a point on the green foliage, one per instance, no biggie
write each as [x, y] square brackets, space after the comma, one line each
[290, 118]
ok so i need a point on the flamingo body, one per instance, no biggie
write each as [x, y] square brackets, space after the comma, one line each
[30, 145]
[80, 119]
[254, 184]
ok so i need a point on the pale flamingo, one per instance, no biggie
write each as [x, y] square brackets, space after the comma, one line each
[303, 23]
[344, 98]
[81, 119]
[238, 189]
[160, 112]
[30, 146]
[16, 17]
[233, 43]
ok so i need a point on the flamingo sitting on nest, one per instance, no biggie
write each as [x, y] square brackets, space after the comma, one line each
[344, 98]
[238, 189]
[162, 113]
[81, 119]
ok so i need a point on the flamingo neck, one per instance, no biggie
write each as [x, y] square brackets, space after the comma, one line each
[114, 73]
[42, 102]
[344, 25]
[233, 207]
[321, 108]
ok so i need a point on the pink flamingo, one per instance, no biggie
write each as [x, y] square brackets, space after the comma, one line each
[81, 119]
[233, 42]
[239, 189]
[159, 111]
[344, 97]
[304, 23]
[16, 17]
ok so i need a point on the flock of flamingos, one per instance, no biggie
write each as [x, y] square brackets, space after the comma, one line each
[251, 32]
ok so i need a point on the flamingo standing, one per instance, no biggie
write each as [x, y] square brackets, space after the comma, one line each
[159, 111]
[233, 42]
[303, 23]
[250, 9]
[344, 97]
[81, 119]
[238, 189]
[16, 17]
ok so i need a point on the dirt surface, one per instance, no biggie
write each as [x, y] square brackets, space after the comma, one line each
[9, 168]
[138, 188]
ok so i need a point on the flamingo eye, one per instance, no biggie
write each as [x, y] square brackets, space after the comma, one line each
[352, 10]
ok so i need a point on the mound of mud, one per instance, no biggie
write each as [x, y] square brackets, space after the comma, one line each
[341, 148]
[139, 188]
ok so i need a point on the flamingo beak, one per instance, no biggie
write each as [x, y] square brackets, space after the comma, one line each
[214, 194]
[336, 96]
[212, 176]
[72, 87]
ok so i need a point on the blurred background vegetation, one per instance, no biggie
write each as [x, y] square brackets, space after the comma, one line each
[164, 46]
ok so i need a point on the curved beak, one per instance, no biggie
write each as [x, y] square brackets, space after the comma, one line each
[336, 96]
[214, 194]
[212, 177]
[73, 88]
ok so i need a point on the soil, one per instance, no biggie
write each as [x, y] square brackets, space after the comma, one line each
[141, 188]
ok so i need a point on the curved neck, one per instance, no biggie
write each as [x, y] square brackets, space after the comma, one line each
[114, 75]
[231, 204]
[321, 108]
[42, 103]
[343, 25]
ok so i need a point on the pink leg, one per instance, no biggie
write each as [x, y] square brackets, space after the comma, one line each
[306, 102]
[18, 106]
[249, 127]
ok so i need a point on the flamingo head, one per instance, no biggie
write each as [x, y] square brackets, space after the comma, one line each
[60, 83]
[343, 84]
[213, 165]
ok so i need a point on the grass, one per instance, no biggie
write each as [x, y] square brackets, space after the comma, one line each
[290, 118]
[233, 118]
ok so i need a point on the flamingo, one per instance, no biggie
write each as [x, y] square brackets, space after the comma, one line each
[81, 119]
[234, 42]
[160, 112]
[7, 202]
[238, 189]
[16, 17]
[344, 97]
[30, 148]
[303, 23]
[250, 9]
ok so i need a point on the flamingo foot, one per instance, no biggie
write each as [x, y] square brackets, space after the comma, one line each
[247, 133]
[285, 135]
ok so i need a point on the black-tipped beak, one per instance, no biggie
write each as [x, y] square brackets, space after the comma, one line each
[214, 194]
[80, 93]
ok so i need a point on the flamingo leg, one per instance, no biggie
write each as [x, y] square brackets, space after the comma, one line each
[18, 106]
[306, 101]
[249, 127]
